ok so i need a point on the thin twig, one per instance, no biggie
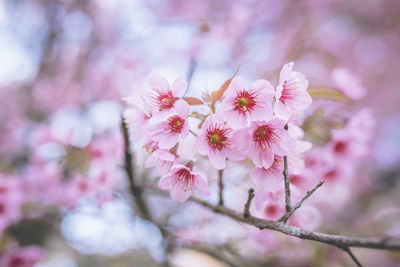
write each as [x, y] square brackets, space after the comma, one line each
[348, 251]
[287, 215]
[136, 191]
[250, 197]
[334, 240]
[288, 204]
[193, 133]
[221, 188]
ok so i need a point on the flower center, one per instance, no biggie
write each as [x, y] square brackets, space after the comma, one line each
[263, 136]
[175, 124]
[340, 147]
[270, 210]
[165, 100]
[184, 176]
[245, 101]
[217, 138]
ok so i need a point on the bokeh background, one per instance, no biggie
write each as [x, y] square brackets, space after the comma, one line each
[66, 64]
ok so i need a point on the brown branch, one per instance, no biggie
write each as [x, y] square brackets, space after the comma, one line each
[221, 188]
[136, 191]
[287, 215]
[348, 251]
[285, 173]
[288, 205]
[334, 240]
[250, 197]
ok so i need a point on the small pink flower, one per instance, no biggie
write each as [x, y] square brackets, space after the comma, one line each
[267, 139]
[167, 133]
[26, 256]
[241, 104]
[217, 141]
[163, 97]
[181, 181]
[291, 94]
[270, 205]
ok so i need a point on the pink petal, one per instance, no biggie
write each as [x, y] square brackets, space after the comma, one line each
[157, 82]
[282, 111]
[202, 144]
[185, 130]
[261, 113]
[302, 102]
[237, 84]
[166, 182]
[217, 159]
[178, 87]
[180, 193]
[201, 183]
[235, 119]
[286, 72]
[160, 116]
[167, 140]
[263, 86]
[182, 108]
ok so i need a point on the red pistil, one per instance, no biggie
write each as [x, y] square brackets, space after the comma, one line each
[263, 136]
[217, 137]
[165, 100]
[245, 101]
[175, 124]
[184, 176]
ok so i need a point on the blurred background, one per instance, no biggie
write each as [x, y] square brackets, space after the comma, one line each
[66, 64]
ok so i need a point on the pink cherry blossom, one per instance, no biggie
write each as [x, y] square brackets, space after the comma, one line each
[162, 97]
[181, 181]
[241, 104]
[11, 200]
[291, 94]
[270, 205]
[267, 139]
[217, 141]
[26, 256]
[348, 83]
[167, 133]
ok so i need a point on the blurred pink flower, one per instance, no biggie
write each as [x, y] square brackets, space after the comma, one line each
[270, 205]
[16, 256]
[348, 83]
[11, 200]
[182, 181]
[291, 94]
[218, 142]
[241, 104]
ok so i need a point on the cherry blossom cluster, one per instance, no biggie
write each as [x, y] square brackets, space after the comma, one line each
[256, 121]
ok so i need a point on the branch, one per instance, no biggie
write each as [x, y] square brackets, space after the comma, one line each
[136, 191]
[246, 212]
[221, 188]
[348, 251]
[334, 240]
[288, 205]
[287, 215]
